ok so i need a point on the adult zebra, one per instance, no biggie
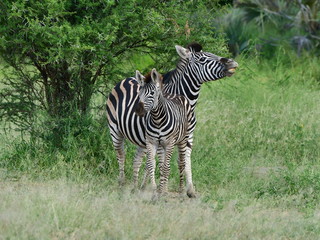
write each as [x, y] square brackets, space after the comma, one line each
[167, 124]
[194, 68]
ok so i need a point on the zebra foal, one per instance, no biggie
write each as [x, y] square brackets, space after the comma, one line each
[167, 119]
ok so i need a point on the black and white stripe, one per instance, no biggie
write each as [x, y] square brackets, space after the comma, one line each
[194, 68]
[167, 124]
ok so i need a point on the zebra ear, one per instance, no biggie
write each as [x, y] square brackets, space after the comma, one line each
[156, 78]
[139, 78]
[183, 52]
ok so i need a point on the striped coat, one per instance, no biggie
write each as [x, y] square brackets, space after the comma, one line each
[194, 68]
[167, 124]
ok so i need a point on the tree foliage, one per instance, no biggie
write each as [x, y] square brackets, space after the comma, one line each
[57, 53]
[273, 23]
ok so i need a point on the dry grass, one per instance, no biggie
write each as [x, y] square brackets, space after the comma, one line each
[255, 166]
[61, 210]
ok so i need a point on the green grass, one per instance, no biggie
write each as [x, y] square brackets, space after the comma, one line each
[256, 169]
[262, 138]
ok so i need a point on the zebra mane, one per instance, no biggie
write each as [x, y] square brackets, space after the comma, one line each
[168, 77]
[147, 77]
[194, 47]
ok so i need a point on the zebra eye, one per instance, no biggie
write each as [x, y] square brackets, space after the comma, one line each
[202, 59]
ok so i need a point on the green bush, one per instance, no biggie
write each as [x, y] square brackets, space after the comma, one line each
[264, 26]
[86, 149]
[58, 54]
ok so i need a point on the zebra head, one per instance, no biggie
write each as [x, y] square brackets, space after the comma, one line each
[150, 90]
[205, 66]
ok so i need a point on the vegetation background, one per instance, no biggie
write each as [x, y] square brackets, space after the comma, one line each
[256, 157]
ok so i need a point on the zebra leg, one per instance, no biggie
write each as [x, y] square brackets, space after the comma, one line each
[118, 144]
[182, 164]
[145, 178]
[137, 164]
[165, 170]
[150, 166]
[161, 156]
[190, 187]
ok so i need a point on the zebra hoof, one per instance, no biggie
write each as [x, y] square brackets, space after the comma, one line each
[134, 190]
[143, 187]
[155, 197]
[121, 182]
[159, 195]
[191, 193]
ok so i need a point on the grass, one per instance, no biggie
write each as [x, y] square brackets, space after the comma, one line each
[64, 210]
[255, 163]
[262, 138]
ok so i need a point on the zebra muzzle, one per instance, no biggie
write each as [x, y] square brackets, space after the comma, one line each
[231, 70]
[140, 111]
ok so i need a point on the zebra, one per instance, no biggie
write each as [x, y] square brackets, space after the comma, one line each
[167, 125]
[194, 68]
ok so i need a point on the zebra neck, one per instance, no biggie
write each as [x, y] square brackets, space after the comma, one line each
[183, 82]
[160, 112]
[172, 76]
